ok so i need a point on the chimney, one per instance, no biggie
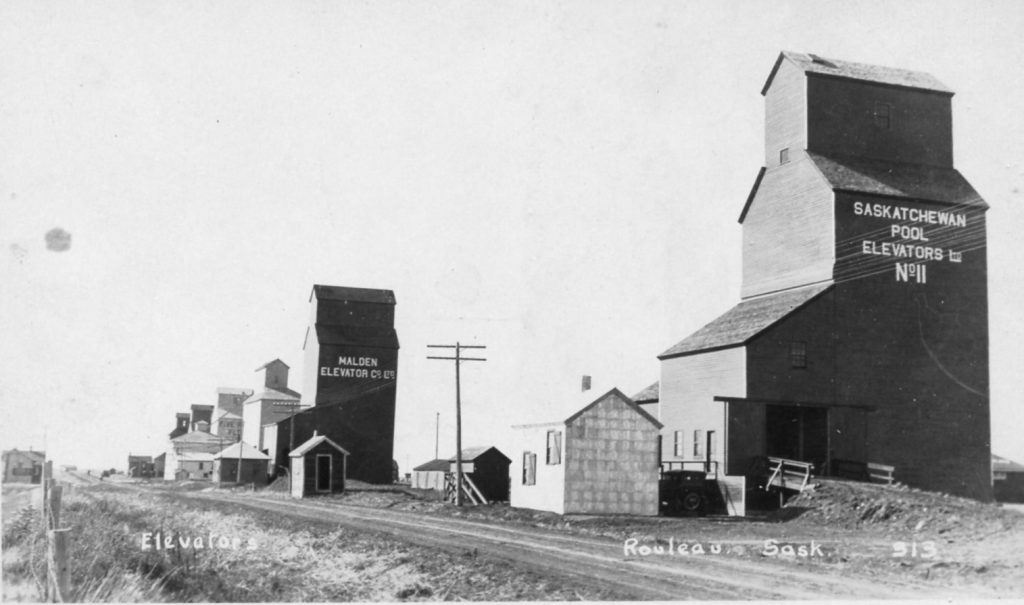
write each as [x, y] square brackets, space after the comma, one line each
[585, 386]
[203, 426]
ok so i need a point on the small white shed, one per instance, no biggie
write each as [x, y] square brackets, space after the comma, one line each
[318, 466]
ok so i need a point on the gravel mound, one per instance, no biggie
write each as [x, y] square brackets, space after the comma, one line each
[851, 504]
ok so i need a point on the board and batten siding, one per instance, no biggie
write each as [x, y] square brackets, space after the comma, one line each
[689, 385]
[785, 113]
[788, 234]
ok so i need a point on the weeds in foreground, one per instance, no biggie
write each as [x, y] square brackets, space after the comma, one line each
[216, 556]
[277, 558]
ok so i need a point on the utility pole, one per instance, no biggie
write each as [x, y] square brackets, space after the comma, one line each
[220, 469]
[238, 472]
[437, 433]
[458, 407]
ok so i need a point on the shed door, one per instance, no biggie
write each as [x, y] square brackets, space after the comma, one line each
[323, 472]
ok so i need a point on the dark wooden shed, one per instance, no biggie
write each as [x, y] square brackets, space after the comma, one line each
[487, 468]
[254, 464]
[318, 466]
[1007, 480]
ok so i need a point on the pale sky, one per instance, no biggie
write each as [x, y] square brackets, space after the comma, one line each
[559, 181]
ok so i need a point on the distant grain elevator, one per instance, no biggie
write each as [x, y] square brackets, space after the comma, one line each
[349, 383]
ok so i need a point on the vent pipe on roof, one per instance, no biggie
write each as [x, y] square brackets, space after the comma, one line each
[585, 386]
[821, 61]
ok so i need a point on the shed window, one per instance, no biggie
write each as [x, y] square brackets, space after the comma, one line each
[677, 445]
[529, 468]
[554, 447]
[997, 476]
[883, 115]
[698, 444]
[798, 354]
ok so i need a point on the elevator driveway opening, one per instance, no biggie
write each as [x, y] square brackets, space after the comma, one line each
[798, 433]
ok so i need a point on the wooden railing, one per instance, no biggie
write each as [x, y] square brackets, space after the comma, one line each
[880, 472]
[788, 474]
[709, 467]
[469, 489]
[864, 471]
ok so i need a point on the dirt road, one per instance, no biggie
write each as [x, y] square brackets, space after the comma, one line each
[600, 562]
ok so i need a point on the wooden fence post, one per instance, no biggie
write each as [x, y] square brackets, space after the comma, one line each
[58, 571]
[58, 580]
[44, 488]
[53, 504]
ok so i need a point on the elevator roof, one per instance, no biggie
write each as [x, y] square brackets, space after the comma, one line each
[744, 321]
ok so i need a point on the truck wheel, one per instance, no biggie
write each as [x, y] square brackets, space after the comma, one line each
[692, 502]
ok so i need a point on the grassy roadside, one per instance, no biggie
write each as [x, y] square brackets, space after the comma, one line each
[262, 558]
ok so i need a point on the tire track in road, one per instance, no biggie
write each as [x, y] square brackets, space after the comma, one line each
[523, 555]
[779, 570]
[597, 561]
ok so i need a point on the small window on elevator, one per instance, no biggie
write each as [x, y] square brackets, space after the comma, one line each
[883, 115]
[798, 354]
[784, 156]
